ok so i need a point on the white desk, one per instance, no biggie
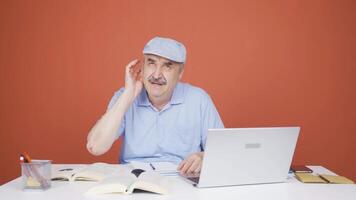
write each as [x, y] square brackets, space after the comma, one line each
[180, 189]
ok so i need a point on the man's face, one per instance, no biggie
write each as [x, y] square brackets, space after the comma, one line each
[160, 76]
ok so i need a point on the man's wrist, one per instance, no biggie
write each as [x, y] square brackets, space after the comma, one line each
[128, 95]
[201, 154]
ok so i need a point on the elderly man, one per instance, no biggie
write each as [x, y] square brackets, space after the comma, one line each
[161, 118]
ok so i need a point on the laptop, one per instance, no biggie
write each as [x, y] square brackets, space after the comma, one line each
[243, 156]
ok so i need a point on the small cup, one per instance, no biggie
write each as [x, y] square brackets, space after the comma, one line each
[36, 175]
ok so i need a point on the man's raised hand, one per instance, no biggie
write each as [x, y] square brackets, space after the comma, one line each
[133, 78]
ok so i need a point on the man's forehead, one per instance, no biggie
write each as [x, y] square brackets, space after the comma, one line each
[158, 58]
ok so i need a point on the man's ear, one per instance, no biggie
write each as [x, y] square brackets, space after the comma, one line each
[181, 72]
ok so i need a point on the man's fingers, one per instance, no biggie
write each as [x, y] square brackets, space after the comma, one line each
[131, 68]
[192, 164]
[139, 76]
[136, 67]
[131, 64]
[181, 165]
[193, 167]
[198, 169]
[186, 166]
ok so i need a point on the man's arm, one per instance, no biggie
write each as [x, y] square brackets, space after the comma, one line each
[103, 134]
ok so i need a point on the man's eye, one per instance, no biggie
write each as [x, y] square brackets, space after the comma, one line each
[168, 66]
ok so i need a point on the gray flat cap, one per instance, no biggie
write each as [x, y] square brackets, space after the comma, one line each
[166, 48]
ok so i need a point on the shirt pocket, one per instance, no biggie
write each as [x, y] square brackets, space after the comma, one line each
[181, 141]
[186, 136]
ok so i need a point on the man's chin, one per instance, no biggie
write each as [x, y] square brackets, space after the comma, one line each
[155, 92]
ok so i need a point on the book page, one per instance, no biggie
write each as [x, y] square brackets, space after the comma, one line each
[151, 182]
[95, 172]
[65, 173]
[118, 183]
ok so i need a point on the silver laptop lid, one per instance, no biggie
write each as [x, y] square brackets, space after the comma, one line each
[241, 156]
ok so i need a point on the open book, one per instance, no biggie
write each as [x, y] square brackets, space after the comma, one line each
[126, 183]
[92, 172]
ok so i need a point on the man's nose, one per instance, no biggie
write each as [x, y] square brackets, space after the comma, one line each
[157, 73]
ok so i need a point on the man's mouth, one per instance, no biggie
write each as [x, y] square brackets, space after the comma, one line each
[155, 83]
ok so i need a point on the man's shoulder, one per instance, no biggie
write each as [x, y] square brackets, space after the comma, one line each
[192, 91]
[115, 97]
[120, 91]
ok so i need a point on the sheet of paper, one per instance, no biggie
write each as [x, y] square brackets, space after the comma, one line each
[164, 168]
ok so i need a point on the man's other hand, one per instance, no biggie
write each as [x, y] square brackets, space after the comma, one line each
[192, 164]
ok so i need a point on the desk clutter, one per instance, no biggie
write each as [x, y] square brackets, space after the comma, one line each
[128, 178]
[180, 189]
[125, 179]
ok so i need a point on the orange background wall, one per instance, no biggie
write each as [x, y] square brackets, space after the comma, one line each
[265, 63]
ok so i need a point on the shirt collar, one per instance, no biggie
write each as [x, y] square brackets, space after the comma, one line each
[177, 96]
[143, 98]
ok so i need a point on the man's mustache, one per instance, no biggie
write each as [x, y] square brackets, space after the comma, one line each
[159, 81]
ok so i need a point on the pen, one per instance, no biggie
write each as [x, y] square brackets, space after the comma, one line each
[25, 167]
[22, 158]
[26, 157]
[153, 167]
[66, 169]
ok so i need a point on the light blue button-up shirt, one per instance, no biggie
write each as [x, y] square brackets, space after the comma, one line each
[171, 134]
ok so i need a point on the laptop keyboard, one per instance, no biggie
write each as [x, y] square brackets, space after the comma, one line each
[194, 179]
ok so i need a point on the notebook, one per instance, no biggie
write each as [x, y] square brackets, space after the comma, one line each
[322, 178]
